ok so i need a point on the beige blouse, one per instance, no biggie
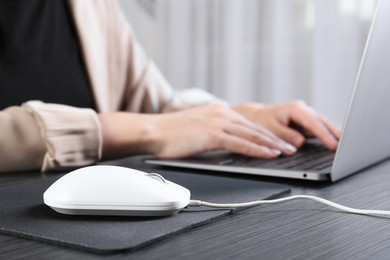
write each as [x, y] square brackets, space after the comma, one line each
[38, 135]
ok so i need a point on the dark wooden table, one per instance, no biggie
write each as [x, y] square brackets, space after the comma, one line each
[291, 230]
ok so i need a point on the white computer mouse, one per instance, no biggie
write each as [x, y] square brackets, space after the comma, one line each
[114, 190]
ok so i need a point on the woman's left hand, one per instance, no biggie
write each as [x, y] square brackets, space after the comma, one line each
[292, 122]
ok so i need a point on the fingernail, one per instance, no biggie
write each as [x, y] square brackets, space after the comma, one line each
[290, 147]
[275, 152]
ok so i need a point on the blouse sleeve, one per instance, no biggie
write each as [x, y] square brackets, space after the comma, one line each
[21, 143]
[48, 137]
[72, 136]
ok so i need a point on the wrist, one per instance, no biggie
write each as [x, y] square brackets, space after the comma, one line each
[126, 134]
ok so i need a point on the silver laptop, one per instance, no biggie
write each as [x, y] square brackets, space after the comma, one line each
[365, 137]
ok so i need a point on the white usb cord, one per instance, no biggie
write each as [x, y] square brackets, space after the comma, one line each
[198, 203]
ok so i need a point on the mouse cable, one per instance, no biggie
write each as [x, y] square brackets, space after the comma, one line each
[198, 203]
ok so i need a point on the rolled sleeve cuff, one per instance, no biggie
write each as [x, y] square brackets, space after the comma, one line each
[72, 135]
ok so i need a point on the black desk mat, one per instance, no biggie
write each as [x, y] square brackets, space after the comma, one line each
[22, 213]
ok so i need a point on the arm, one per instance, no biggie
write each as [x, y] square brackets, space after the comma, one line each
[62, 137]
[187, 132]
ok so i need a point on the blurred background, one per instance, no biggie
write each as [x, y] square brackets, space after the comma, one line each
[267, 51]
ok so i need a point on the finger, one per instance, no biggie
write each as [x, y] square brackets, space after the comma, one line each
[258, 137]
[310, 121]
[289, 135]
[240, 119]
[333, 129]
[239, 145]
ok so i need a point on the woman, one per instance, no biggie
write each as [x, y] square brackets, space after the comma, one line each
[101, 98]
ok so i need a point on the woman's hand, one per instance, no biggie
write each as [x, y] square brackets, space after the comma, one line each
[292, 122]
[188, 132]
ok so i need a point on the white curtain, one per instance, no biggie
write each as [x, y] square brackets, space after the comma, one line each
[258, 50]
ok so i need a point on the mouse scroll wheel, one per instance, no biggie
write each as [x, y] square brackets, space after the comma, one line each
[156, 177]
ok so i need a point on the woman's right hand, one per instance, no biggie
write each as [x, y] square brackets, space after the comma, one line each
[188, 132]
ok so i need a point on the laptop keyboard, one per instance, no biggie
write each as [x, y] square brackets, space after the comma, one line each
[312, 156]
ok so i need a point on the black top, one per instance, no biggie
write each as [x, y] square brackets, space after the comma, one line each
[40, 57]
